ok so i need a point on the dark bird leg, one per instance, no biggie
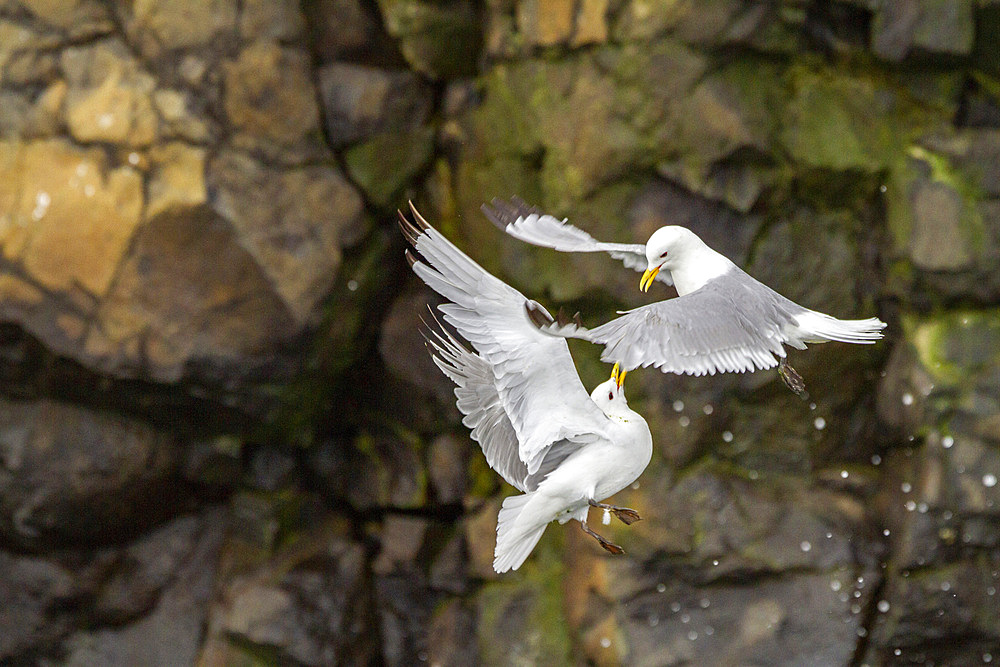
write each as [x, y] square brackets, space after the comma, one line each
[625, 515]
[791, 377]
[610, 547]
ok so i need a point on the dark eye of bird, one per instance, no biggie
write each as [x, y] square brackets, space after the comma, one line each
[610, 396]
[663, 254]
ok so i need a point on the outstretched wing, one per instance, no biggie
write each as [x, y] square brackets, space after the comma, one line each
[534, 375]
[732, 324]
[480, 402]
[528, 223]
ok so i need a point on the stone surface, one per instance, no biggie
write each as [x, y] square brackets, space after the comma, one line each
[179, 562]
[196, 231]
[361, 101]
[293, 223]
[270, 100]
[71, 475]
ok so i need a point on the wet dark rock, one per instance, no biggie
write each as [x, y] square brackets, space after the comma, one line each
[448, 641]
[360, 101]
[309, 603]
[271, 468]
[901, 27]
[799, 619]
[348, 30]
[375, 470]
[75, 475]
[174, 568]
[438, 39]
[34, 590]
[447, 462]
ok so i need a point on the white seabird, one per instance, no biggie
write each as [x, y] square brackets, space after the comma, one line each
[523, 399]
[722, 320]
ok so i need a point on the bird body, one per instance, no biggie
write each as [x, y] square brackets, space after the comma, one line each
[723, 320]
[524, 402]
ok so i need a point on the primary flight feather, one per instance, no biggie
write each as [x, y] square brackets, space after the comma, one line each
[565, 449]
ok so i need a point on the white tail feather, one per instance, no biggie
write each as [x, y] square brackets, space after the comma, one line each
[819, 327]
[515, 540]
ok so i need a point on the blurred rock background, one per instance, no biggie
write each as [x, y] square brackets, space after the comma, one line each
[221, 439]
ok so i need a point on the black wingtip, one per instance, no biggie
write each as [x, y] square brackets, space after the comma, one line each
[537, 314]
[417, 218]
[411, 259]
[505, 213]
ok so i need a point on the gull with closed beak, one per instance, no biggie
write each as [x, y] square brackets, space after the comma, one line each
[565, 450]
[722, 320]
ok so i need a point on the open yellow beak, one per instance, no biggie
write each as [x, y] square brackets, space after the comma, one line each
[647, 278]
[619, 378]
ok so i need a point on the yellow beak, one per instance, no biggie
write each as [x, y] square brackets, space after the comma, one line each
[647, 278]
[618, 377]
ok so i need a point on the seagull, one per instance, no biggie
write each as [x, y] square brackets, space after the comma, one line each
[522, 398]
[722, 320]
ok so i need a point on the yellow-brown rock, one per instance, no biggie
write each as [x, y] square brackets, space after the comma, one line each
[180, 23]
[68, 214]
[292, 222]
[269, 97]
[177, 179]
[109, 97]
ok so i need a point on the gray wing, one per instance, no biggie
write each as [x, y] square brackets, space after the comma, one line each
[528, 223]
[535, 378]
[480, 402]
[732, 324]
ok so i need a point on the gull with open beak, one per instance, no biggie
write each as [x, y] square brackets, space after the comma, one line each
[722, 320]
[565, 450]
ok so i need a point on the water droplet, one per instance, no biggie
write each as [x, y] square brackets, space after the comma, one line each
[678, 406]
[905, 487]
[727, 436]
[855, 609]
[835, 585]
[709, 630]
[661, 587]
[922, 508]
[829, 535]
[812, 406]
[708, 409]
[133, 158]
[882, 188]
[685, 618]
[910, 505]
[704, 603]
[844, 474]
[605, 642]
[684, 421]
[907, 398]
[42, 201]
[987, 657]
[89, 190]
[805, 546]
[989, 480]
[81, 169]
[862, 632]
[675, 607]
[991, 591]
[692, 635]
[653, 620]
[945, 586]
[819, 423]
[753, 474]
[897, 652]
[886, 532]
[876, 459]
[947, 441]
[352, 285]
[883, 606]
[715, 561]
[857, 594]
[105, 120]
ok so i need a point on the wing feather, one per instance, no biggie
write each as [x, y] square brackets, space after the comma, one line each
[718, 328]
[534, 375]
[528, 223]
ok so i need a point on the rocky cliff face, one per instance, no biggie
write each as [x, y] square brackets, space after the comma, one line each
[221, 439]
